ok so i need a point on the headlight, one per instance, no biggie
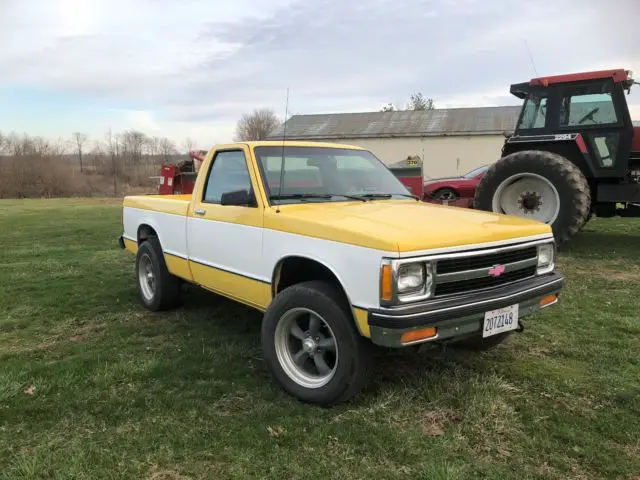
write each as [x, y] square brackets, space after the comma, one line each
[410, 277]
[546, 258]
[403, 281]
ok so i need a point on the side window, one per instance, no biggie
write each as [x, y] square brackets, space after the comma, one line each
[228, 173]
[605, 148]
[534, 113]
[588, 105]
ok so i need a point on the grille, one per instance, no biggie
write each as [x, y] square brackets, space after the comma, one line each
[460, 275]
[485, 261]
[465, 286]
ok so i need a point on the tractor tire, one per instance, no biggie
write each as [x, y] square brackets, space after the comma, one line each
[569, 197]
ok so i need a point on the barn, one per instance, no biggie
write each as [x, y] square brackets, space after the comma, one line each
[450, 141]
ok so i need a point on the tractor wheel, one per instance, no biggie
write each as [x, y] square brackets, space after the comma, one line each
[538, 185]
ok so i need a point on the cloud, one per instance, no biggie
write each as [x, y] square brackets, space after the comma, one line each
[199, 65]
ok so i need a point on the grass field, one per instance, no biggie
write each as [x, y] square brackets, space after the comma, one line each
[94, 386]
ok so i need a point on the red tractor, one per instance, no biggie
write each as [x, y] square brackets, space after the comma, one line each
[574, 153]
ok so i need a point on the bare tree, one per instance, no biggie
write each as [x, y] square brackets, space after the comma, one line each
[189, 144]
[418, 102]
[80, 139]
[166, 149]
[256, 125]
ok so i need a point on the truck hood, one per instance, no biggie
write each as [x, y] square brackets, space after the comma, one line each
[400, 225]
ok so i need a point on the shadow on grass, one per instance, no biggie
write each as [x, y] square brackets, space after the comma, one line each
[598, 244]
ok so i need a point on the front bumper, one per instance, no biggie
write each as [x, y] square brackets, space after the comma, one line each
[460, 316]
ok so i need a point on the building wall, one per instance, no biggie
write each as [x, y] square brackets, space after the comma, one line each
[442, 156]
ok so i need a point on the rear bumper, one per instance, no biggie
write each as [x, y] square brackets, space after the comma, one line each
[121, 242]
[457, 317]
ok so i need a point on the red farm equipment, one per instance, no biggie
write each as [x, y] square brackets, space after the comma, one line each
[574, 153]
[180, 179]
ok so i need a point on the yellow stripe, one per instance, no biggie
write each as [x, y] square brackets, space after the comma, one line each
[362, 321]
[245, 290]
[175, 204]
[130, 245]
[178, 266]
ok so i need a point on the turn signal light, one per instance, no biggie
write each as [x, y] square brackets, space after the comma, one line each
[417, 335]
[386, 283]
[548, 300]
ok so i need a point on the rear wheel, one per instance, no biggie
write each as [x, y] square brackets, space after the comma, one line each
[158, 289]
[538, 185]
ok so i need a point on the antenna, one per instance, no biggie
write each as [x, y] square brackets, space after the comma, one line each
[284, 138]
[533, 65]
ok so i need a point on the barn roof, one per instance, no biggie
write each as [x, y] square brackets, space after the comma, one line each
[408, 123]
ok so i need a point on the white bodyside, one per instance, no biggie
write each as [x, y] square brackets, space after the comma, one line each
[171, 229]
[255, 252]
[227, 246]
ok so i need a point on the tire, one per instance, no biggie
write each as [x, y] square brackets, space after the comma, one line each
[352, 363]
[570, 185]
[165, 292]
[445, 194]
[478, 343]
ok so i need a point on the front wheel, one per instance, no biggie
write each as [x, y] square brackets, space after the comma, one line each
[312, 347]
[538, 185]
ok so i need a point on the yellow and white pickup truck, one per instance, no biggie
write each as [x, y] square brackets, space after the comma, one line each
[338, 255]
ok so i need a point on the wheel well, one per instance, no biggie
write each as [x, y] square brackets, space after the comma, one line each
[144, 232]
[293, 270]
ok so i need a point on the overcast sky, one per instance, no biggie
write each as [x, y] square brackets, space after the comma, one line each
[191, 68]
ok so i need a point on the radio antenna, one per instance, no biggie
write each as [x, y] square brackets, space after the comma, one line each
[533, 65]
[284, 138]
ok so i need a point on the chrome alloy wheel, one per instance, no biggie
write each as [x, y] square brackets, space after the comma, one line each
[306, 348]
[146, 277]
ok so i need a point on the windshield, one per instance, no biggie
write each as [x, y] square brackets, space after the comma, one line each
[476, 172]
[326, 174]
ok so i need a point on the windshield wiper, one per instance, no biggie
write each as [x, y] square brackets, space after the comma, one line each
[296, 196]
[373, 196]
[299, 196]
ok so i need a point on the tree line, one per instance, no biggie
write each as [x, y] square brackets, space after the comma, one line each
[117, 164]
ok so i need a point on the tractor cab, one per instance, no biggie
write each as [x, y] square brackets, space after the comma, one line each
[574, 153]
[588, 110]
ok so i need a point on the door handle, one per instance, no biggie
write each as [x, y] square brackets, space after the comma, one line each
[200, 211]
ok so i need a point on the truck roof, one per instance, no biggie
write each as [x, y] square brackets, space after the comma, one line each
[289, 143]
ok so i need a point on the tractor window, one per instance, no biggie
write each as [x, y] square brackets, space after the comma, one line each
[534, 112]
[605, 148]
[588, 105]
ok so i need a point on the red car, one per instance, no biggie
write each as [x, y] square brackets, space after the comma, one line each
[458, 191]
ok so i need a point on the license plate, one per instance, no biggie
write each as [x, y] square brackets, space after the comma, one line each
[500, 320]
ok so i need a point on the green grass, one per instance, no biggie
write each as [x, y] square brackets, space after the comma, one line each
[120, 392]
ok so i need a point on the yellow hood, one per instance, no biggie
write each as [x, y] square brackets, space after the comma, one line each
[402, 225]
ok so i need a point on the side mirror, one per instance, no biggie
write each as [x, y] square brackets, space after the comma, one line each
[239, 198]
